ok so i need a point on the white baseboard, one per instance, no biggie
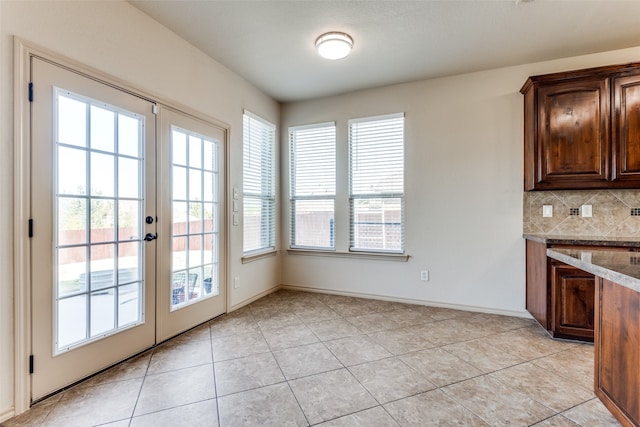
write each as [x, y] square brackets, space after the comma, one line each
[253, 298]
[513, 313]
[6, 414]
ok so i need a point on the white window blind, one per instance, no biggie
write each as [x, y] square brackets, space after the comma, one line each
[313, 185]
[376, 178]
[258, 178]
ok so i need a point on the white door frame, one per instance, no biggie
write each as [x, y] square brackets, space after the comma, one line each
[23, 51]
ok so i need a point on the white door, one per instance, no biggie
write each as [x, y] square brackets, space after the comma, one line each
[93, 185]
[191, 268]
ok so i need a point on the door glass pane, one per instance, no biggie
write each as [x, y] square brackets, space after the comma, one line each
[180, 218]
[194, 226]
[179, 178]
[102, 129]
[129, 259]
[72, 121]
[209, 184]
[98, 232]
[128, 173]
[102, 311]
[195, 184]
[179, 147]
[72, 171]
[102, 173]
[209, 219]
[72, 266]
[128, 220]
[103, 217]
[72, 221]
[209, 155]
[195, 152]
[72, 321]
[195, 217]
[129, 135]
[129, 304]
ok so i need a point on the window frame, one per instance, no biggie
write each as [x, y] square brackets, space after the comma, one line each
[294, 198]
[375, 195]
[268, 195]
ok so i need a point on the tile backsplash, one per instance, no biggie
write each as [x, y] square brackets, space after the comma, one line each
[615, 213]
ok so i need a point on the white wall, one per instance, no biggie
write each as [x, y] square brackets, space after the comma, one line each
[464, 158]
[464, 175]
[121, 41]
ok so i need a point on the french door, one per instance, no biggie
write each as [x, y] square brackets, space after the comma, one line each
[191, 264]
[125, 250]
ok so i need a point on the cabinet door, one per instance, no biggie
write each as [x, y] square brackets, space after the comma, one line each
[573, 297]
[626, 129]
[573, 134]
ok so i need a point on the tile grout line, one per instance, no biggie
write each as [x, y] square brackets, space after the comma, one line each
[215, 383]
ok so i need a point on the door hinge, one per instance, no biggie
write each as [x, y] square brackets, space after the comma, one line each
[31, 364]
[154, 109]
[30, 227]
[30, 92]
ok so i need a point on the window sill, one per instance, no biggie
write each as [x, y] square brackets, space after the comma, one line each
[357, 255]
[260, 255]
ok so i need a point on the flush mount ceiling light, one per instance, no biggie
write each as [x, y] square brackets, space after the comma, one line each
[334, 45]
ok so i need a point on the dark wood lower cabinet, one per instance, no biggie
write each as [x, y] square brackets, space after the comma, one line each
[560, 297]
[538, 295]
[572, 295]
[617, 350]
[571, 303]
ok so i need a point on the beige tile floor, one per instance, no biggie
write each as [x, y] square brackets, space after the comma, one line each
[296, 358]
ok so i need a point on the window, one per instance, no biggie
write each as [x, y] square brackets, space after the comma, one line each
[259, 200]
[313, 185]
[376, 182]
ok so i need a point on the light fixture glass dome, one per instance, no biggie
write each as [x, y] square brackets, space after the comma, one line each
[334, 45]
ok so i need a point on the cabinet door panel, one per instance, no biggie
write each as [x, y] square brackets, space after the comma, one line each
[626, 129]
[573, 293]
[573, 133]
[536, 280]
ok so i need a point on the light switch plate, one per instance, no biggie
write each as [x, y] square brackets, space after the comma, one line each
[547, 211]
[586, 211]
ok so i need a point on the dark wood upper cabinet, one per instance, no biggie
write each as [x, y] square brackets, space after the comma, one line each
[573, 133]
[582, 129]
[626, 128]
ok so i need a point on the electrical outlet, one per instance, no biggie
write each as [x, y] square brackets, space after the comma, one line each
[587, 211]
[424, 275]
[547, 211]
[236, 282]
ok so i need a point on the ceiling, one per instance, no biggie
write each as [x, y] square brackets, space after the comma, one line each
[271, 43]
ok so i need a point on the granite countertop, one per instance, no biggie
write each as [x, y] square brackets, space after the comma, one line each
[620, 267]
[632, 242]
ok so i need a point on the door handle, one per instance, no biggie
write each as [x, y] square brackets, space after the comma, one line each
[150, 236]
